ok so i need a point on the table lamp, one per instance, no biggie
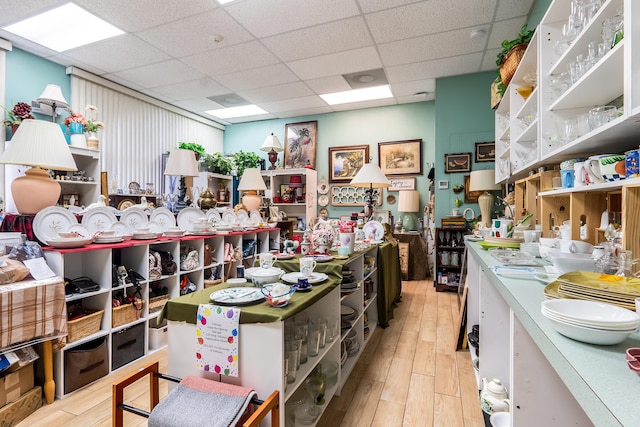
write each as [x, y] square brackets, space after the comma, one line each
[41, 145]
[53, 97]
[181, 163]
[251, 182]
[409, 202]
[371, 177]
[273, 146]
[484, 180]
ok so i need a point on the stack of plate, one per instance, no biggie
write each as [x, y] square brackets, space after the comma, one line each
[589, 321]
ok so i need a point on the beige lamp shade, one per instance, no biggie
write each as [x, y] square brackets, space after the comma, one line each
[271, 143]
[251, 182]
[52, 96]
[483, 180]
[42, 145]
[409, 201]
[181, 163]
[370, 176]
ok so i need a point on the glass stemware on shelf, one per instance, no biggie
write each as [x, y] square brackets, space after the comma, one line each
[609, 263]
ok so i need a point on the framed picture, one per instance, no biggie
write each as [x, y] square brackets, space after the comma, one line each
[345, 162]
[381, 215]
[404, 183]
[460, 162]
[470, 196]
[485, 152]
[300, 144]
[400, 157]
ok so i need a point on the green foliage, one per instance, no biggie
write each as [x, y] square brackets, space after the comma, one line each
[457, 202]
[243, 160]
[218, 163]
[192, 146]
[524, 36]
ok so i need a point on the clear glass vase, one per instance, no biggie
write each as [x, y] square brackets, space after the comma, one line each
[609, 263]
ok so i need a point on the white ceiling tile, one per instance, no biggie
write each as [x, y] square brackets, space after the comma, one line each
[409, 99]
[160, 74]
[293, 104]
[328, 84]
[272, 93]
[252, 119]
[441, 45]
[199, 104]
[510, 9]
[504, 30]
[231, 59]
[137, 15]
[197, 34]
[118, 53]
[489, 59]
[365, 104]
[369, 6]
[423, 18]
[463, 64]
[289, 15]
[123, 82]
[258, 77]
[187, 90]
[333, 37]
[305, 112]
[337, 63]
[412, 87]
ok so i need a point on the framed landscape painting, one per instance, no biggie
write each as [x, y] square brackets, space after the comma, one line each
[300, 144]
[345, 162]
[400, 157]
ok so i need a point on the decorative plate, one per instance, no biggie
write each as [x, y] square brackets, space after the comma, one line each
[126, 203]
[52, 220]
[134, 218]
[155, 228]
[391, 199]
[323, 212]
[80, 231]
[74, 242]
[321, 258]
[214, 216]
[237, 296]
[229, 217]
[373, 230]
[284, 256]
[98, 219]
[323, 187]
[116, 239]
[323, 200]
[255, 217]
[164, 217]
[144, 236]
[134, 187]
[187, 216]
[120, 228]
[313, 279]
[242, 218]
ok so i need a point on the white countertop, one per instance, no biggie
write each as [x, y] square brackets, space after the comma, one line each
[597, 376]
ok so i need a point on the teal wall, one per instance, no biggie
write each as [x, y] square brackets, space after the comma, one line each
[463, 117]
[358, 127]
[537, 12]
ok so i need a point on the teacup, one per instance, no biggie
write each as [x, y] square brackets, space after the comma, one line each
[107, 233]
[606, 167]
[142, 230]
[267, 260]
[67, 234]
[307, 265]
[201, 223]
[575, 247]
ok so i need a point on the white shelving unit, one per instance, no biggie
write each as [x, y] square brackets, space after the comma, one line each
[212, 181]
[277, 178]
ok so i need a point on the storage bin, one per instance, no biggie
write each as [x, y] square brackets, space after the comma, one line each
[85, 364]
[158, 334]
[156, 303]
[126, 313]
[85, 326]
[127, 345]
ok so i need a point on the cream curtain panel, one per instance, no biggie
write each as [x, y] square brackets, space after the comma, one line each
[138, 129]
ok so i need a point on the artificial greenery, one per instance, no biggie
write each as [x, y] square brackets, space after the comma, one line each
[218, 163]
[524, 36]
[192, 146]
[243, 160]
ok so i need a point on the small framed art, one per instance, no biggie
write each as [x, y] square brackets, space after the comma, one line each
[460, 162]
[345, 162]
[400, 157]
[485, 152]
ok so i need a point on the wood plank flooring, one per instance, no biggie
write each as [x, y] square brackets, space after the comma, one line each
[409, 375]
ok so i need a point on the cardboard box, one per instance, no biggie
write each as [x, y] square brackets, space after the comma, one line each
[27, 404]
[15, 384]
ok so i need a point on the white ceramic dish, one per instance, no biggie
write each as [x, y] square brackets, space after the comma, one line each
[98, 219]
[187, 217]
[255, 217]
[313, 279]
[566, 264]
[120, 228]
[589, 335]
[373, 230]
[214, 216]
[80, 230]
[144, 236]
[116, 239]
[591, 311]
[134, 218]
[237, 296]
[155, 228]
[164, 217]
[515, 272]
[52, 220]
[229, 217]
[264, 276]
[500, 419]
[242, 218]
[623, 328]
[67, 243]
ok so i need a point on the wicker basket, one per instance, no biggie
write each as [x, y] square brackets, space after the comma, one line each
[209, 283]
[511, 61]
[84, 326]
[124, 314]
[156, 303]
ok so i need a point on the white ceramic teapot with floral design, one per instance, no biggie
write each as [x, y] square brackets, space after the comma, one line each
[493, 397]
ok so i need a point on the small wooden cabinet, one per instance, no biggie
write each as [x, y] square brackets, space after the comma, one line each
[449, 250]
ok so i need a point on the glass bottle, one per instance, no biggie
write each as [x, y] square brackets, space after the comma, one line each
[626, 263]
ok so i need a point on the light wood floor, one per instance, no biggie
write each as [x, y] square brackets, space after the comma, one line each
[409, 375]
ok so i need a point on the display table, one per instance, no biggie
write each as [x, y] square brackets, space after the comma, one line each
[31, 312]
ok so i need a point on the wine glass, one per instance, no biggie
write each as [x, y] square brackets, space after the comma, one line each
[316, 384]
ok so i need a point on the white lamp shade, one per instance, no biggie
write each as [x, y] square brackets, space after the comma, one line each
[271, 143]
[181, 163]
[39, 143]
[483, 180]
[251, 180]
[409, 201]
[370, 175]
[51, 95]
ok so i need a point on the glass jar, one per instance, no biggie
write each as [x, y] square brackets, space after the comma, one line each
[609, 262]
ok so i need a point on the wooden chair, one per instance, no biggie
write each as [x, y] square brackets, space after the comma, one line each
[271, 404]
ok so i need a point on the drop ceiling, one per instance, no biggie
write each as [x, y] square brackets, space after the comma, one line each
[281, 54]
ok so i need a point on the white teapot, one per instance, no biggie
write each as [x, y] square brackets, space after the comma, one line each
[493, 397]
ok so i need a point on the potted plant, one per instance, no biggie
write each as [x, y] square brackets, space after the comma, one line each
[15, 116]
[457, 202]
[218, 163]
[199, 149]
[510, 56]
[458, 188]
[243, 160]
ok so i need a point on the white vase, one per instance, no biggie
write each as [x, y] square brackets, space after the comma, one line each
[78, 140]
[93, 143]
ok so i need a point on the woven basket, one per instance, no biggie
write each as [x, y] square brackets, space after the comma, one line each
[84, 326]
[511, 61]
[124, 314]
[209, 283]
[156, 303]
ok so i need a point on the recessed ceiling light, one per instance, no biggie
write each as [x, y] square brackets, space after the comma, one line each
[233, 112]
[366, 78]
[421, 94]
[356, 95]
[64, 28]
[478, 34]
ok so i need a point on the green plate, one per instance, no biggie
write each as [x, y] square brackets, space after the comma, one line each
[488, 245]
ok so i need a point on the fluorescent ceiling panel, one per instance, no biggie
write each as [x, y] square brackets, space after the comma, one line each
[357, 95]
[64, 28]
[225, 1]
[233, 112]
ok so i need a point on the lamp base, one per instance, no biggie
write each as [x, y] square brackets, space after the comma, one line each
[273, 158]
[251, 202]
[409, 222]
[485, 202]
[35, 191]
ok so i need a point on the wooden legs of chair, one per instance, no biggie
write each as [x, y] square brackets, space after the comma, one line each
[272, 403]
[118, 391]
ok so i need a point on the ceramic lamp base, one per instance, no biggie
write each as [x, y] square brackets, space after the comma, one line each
[251, 201]
[485, 202]
[409, 222]
[34, 191]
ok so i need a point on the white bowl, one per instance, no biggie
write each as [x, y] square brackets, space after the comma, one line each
[589, 335]
[576, 247]
[566, 262]
[500, 419]
[591, 311]
[263, 276]
[549, 242]
[632, 327]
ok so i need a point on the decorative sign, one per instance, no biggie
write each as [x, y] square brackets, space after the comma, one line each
[352, 196]
[217, 330]
[398, 184]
